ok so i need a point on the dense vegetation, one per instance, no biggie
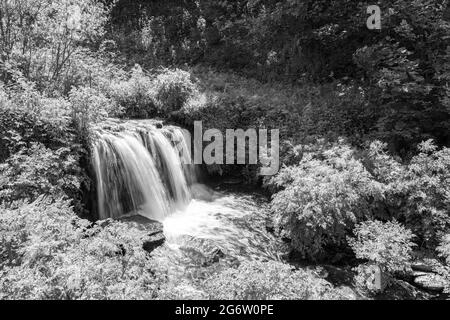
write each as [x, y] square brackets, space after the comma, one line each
[363, 117]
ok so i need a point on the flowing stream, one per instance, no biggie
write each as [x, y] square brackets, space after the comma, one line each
[139, 168]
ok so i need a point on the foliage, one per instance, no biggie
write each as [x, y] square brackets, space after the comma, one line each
[29, 117]
[90, 106]
[388, 245]
[43, 153]
[444, 248]
[407, 73]
[325, 188]
[49, 253]
[41, 37]
[173, 88]
[322, 198]
[427, 185]
[308, 68]
[268, 281]
[135, 94]
[416, 193]
[38, 171]
[390, 84]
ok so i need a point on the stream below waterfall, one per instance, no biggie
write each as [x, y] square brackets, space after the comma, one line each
[140, 169]
[219, 228]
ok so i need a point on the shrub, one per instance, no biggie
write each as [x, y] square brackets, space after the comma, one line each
[135, 94]
[416, 193]
[39, 171]
[388, 245]
[173, 88]
[42, 150]
[47, 252]
[268, 281]
[95, 69]
[444, 248]
[27, 117]
[322, 198]
[90, 106]
[45, 36]
[425, 187]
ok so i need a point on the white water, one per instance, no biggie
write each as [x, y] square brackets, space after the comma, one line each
[139, 170]
[230, 221]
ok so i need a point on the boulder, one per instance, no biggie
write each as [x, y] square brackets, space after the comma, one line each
[431, 282]
[201, 252]
[402, 290]
[154, 230]
[416, 274]
[422, 267]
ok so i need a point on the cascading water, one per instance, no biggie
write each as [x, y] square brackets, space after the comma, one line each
[140, 170]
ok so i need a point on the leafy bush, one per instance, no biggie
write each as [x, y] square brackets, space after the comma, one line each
[95, 69]
[47, 252]
[444, 248]
[143, 95]
[322, 198]
[268, 281]
[90, 106]
[29, 117]
[426, 188]
[135, 94]
[38, 171]
[173, 88]
[416, 193]
[388, 245]
[42, 149]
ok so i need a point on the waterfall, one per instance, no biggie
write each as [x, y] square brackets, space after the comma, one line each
[139, 169]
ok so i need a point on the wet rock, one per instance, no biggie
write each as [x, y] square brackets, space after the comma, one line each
[422, 266]
[431, 282]
[154, 242]
[233, 181]
[154, 229]
[201, 252]
[215, 255]
[402, 290]
[416, 274]
[347, 293]
[339, 276]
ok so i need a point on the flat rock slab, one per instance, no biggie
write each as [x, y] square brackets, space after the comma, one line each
[154, 229]
[432, 282]
[422, 267]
